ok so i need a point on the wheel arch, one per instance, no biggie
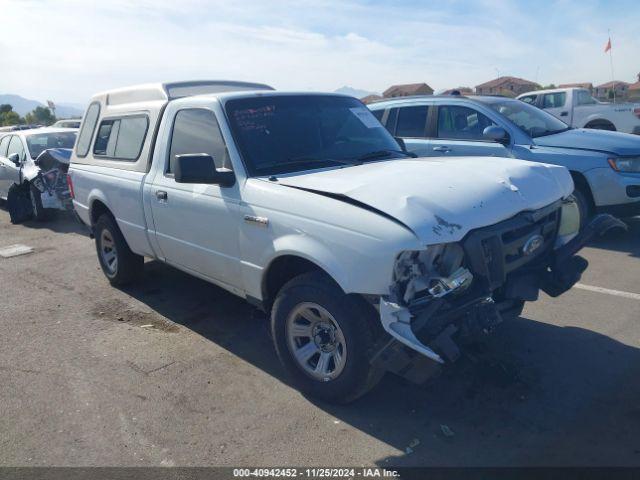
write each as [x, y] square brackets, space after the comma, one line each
[581, 183]
[591, 122]
[97, 208]
[284, 268]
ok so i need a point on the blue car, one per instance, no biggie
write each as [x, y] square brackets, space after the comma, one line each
[605, 166]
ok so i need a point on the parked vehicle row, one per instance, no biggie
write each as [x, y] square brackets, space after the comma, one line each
[577, 108]
[367, 258]
[605, 166]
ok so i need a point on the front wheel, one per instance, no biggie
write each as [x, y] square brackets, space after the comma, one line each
[584, 207]
[120, 265]
[324, 339]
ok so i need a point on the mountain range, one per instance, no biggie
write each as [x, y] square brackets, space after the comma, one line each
[22, 106]
[354, 92]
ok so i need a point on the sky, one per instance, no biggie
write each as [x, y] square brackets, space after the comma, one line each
[67, 50]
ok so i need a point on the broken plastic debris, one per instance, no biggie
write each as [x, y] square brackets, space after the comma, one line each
[15, 250]
[446, 431]
[148, 325]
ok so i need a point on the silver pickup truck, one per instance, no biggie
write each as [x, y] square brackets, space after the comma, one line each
[578, 109]
[366, 258]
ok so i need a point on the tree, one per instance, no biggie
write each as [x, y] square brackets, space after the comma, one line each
[41, 115]
[8, 117]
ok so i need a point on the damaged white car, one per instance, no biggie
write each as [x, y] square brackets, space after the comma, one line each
[367, 259]
[33, 172]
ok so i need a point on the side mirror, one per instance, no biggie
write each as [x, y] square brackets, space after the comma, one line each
[403, 147]
[400, 140]
[15, 158]
[200, 168]
[496, 134]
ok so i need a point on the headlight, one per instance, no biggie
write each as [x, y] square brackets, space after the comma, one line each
[569, 221]
[628, 164]
[435, 271]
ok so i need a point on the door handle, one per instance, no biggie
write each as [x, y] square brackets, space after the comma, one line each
[441, 149]
[564, 114]
[161, 195]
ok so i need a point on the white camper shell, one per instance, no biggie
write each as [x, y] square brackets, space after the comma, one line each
[143, 104]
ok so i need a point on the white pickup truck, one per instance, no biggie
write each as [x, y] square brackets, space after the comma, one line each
[577, 108]
[303, 204]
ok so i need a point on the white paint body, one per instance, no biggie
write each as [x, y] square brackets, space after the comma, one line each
[201, 229]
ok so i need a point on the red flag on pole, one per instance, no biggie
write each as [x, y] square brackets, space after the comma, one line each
[608, 46]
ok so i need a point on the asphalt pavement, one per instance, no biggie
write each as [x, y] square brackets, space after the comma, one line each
[175, 371]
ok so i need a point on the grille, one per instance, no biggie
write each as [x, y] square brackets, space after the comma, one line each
[495, 251]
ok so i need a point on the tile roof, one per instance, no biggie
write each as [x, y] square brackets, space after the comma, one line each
[502, 80]
[406, 89]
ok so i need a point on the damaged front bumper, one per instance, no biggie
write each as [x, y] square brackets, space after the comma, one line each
[466, 308]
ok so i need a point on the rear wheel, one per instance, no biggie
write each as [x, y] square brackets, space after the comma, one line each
[324, 339]
[120, 265]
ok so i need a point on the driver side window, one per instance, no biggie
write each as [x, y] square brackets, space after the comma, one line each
[15, 146]
[4, 143]
[585, 98]
[196, 130]
[461, 123]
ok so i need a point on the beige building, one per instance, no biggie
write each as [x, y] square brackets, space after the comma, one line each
[507, 86]
[371, 98]
[407, 90]
[601, 92]
[633, 92]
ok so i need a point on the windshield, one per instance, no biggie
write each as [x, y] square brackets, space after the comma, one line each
[42, 141]
[283, 134]
[533, 121]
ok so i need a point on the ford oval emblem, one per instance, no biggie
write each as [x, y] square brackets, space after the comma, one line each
[532, 244]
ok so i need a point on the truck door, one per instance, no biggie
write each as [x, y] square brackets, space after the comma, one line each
[459, 132]
[196, 226]
[557, 104]
[9, 171]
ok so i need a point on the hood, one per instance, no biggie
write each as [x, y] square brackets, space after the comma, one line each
[442, 200]
[596, 140]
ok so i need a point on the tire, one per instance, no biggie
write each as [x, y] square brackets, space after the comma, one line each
[40, 214]
[340, 334]
[120, 265]
[512, 310]
[583, 206]
[601, 125]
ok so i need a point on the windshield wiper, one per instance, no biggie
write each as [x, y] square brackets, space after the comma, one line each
[303, 159]
[551, 132]
[306, 160]
[383, 153]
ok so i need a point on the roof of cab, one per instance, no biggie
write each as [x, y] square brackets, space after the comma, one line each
[173, 90]
[437, 99]
[41, 130]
